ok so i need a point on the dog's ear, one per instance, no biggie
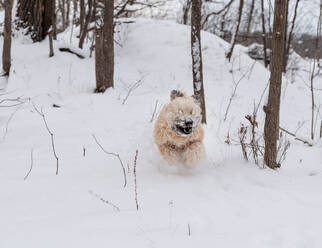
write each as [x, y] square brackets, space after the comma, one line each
[176, 93]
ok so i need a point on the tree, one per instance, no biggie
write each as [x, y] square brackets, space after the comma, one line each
[84, 22]
[264, 33]
[235, 32]
[290, 35]
[6, 52]
[104, 45]
[196, 55]
[36, 16]
[250, 17]
[272, 109]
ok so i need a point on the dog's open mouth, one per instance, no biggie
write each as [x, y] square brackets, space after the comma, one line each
[184, 130]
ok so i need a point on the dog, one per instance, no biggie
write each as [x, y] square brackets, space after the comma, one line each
[178, 132]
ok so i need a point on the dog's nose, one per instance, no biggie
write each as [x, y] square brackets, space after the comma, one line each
[189, 123]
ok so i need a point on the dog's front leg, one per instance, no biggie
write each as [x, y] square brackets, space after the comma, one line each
[170, 154]
[193, 154]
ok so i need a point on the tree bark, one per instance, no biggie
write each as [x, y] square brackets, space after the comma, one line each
[272, 109]
[6, 52]
[35, 16]
[196, 55]
[285, 38]
[234, 35]
[104, 47]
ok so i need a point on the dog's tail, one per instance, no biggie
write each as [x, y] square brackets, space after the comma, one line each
[176, 93]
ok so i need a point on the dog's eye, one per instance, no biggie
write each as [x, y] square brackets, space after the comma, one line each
[191, 111]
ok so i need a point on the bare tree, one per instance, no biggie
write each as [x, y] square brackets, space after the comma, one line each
[186, 9]
[250, 17]
[290, 35]
[235, 32]
[272, 109]
[84, 25]
[6, 52]
[104, 45]
[35, 16]
[196, 55]
[264, 33]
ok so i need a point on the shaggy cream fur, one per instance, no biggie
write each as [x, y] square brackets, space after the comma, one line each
[178, 132]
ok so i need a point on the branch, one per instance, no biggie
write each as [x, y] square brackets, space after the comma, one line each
[40, 112]
[135, 183]
[31, 164]
[296, 138]
[115, 155]
[104, 201]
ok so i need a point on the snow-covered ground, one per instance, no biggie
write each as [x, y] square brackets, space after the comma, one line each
[226, 202]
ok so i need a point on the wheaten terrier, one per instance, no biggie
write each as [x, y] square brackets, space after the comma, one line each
[178, 132]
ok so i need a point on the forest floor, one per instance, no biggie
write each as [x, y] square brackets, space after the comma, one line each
[226, 202]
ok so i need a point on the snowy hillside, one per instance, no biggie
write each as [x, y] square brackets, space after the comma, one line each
[226, 202]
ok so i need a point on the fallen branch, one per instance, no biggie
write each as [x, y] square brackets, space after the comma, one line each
[40, 112]
[296, 138]
[68, 50]
[115, 155]
[104, 201]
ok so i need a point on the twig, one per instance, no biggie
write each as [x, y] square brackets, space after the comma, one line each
[40, 112]
[132, 88]
[115, 155]
[31, 164]
[154, 111]
[296, 138]
[104, 201]
[9, 120]
[135, 182]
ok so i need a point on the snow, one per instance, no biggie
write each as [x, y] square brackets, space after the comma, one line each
[226, 202]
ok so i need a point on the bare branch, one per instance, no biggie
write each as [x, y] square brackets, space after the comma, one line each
[135, 182]
[296, 138]
[40, 112]
[104, 201]
[115, 155]
[31, 164]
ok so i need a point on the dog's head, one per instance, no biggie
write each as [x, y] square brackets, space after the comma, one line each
[184, 113]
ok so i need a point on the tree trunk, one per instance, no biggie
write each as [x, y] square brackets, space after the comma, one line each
[285, 38]
[264, 33]
[234, 35]
[290, 35]
[6, 52]
[186, 9]
[272, 109]
[196, 55]
[85, 24]
[104, 47]
[250, 17]
[35, 16]
[81, 16]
